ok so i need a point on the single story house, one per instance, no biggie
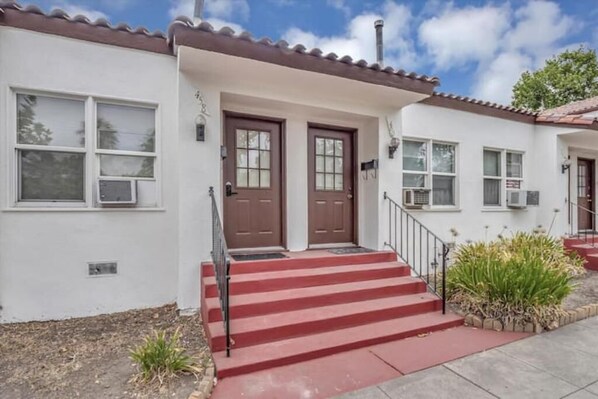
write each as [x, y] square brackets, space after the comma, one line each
[111, 137]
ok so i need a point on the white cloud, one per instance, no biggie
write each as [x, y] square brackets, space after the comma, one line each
[340, 5]
[459, 36]
[538, 30]
[75, 9]
[359, 39]
[495, 80]
[539, 25]
[500, 42]
[227, 9]
[181, 8]
[118, 5]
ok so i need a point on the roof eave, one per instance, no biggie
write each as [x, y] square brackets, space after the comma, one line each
[224, 41]
[60, 24]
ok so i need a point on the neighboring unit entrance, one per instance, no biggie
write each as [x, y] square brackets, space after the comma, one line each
[331, 186]
[253, 186]
[585, 194]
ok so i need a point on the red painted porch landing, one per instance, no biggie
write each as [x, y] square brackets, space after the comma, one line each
[315, 304]
[585, 250]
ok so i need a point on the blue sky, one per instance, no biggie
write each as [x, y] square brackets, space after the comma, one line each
[477, 47]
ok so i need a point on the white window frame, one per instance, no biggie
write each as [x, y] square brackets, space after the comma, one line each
[503, 177]
[429, 172]
[91, 161]
[100, 151]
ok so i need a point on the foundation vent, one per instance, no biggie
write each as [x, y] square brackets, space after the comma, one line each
[102, 268]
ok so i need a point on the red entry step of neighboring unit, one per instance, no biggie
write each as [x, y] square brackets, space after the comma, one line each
[285, 311]
[587, 248]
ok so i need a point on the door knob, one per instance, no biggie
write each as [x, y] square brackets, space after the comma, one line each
[350, 196]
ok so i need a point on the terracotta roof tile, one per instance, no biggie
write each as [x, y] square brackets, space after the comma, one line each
[575, 108]
[61, 14]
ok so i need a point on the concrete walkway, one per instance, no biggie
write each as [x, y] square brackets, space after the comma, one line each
[557, 364]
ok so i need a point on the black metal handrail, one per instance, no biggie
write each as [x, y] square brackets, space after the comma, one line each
[417, 246]
[587, 236]
[221, 261]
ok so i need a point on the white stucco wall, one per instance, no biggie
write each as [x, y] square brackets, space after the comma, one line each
[472, 133]
[44, 254]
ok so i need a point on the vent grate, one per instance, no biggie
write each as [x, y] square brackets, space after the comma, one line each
[102, 268]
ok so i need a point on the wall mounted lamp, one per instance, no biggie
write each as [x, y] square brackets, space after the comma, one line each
[394, 140]
[566, 165]
[393, 147]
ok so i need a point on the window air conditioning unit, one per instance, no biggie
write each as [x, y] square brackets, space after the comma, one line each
[117, 192]
[416, 197]
[517, 199]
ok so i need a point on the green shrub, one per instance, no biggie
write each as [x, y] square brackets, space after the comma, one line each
[161, 357]
[520, 279]
[525, 246]
[549, 249]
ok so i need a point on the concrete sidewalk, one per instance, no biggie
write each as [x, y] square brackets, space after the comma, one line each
[557, 364]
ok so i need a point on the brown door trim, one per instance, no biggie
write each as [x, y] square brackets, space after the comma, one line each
[283, 161]
[590, 184]
[355, 164]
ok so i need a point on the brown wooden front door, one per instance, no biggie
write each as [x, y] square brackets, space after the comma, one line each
[585, 194]
[331, 186]
[253, 205]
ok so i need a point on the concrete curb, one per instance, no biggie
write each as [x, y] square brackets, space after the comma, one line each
[569, 316]
[205, 386]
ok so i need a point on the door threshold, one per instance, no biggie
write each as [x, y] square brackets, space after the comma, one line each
[333, 245]
[239, 251]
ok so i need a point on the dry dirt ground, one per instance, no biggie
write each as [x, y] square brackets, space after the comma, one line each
[585, 291]
[89, 357]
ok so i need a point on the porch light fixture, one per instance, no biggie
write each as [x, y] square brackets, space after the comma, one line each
[394, 140]
[393, 147]
[566, 165]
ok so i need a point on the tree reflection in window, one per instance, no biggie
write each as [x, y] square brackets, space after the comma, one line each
[50, 174]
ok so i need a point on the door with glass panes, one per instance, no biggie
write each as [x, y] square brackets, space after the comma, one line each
[252, 184]
[331, 186]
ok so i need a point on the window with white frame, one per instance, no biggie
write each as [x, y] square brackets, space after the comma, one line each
[54, 147]
[50, 148]
[434, 169]
[126, 141]
[503, 170]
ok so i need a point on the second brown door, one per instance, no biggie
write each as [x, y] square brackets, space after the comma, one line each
[585, 194]
[331, 186]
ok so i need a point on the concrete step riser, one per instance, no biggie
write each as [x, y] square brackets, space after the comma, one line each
[276, 284]
[302, 263]
[305, 327]
[250, 310]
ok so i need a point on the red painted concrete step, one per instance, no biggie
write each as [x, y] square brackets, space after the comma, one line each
[249, 305]
[272, 265]
[265, 328]
[289, 279]
[584, 249]
[278, 353]
[592, 262]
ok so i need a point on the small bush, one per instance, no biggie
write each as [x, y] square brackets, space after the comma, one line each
[161, 357]
[520, 279]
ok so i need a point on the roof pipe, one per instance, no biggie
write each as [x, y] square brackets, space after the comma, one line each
[198, 11]
[379, 25]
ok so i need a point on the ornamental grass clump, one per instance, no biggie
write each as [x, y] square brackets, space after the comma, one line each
[516, 280]
[161, 357]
